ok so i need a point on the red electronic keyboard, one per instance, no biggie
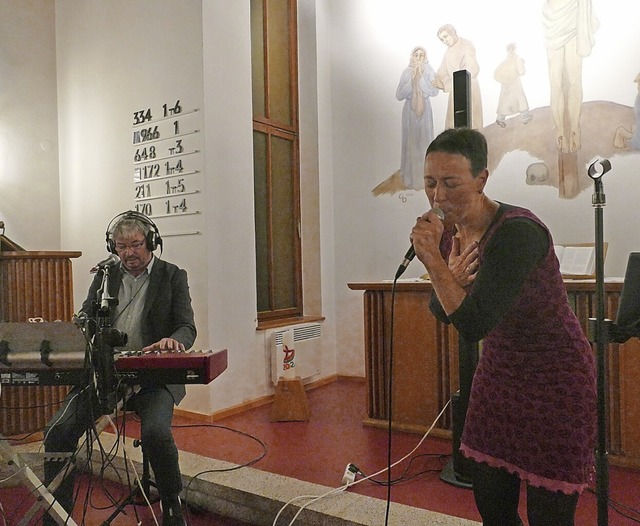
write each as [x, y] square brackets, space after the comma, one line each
[54, 354]
[188, 367]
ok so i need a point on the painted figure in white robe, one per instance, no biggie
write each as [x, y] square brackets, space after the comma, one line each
[513, 100]
[415, 89]
[569, 29]
[460, 54]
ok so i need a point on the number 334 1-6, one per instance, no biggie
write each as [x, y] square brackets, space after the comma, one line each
[142, 116]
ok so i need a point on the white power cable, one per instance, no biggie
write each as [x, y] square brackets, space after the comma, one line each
[341, 489]
[144, 493]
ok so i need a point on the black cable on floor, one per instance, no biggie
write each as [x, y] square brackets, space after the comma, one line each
[622, 509]
[222, 470]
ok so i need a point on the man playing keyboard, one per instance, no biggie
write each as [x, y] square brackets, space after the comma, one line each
[154, 309]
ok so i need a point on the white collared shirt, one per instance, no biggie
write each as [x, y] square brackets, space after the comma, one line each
[131, 300]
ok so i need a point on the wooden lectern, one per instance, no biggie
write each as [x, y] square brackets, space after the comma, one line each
[32, 285]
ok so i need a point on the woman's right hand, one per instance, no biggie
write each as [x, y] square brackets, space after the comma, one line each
[464, 265]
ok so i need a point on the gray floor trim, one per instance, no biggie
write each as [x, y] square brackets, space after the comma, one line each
[256, 496]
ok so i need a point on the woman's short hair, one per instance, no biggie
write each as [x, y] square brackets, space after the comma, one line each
[464, 141]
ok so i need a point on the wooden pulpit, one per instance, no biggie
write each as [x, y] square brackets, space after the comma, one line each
[33, 285]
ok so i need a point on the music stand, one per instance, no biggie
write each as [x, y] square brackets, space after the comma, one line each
[627, 323]
[603, 331]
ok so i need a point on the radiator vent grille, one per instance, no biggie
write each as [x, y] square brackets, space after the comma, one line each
[306, 342]
[304, 332]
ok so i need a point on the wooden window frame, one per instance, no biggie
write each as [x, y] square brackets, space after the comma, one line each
[290, 132]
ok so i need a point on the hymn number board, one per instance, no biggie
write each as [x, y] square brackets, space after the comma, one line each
[167, 160]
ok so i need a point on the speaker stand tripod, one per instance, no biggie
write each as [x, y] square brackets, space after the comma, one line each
[459, 469]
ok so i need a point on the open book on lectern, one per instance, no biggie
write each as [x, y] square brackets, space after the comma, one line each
[578, 261]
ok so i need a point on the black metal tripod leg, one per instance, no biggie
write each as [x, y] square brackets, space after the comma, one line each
[142, 488]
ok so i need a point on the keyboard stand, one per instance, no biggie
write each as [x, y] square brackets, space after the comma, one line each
[44, 499]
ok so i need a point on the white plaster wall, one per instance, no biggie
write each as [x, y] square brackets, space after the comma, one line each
[333, 355]
[229, 161]
[29, 190]
[111, 64]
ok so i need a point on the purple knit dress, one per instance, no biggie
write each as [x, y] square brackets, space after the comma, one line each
[532, 409]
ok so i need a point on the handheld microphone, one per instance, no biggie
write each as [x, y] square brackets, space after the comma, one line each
[411, 253]
[113, 259]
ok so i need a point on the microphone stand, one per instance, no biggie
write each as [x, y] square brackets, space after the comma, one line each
[105, 339]
[599, 332]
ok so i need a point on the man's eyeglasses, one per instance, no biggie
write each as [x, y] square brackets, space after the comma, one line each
[136, 245]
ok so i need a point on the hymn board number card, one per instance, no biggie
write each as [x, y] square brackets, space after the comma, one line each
[167, 162]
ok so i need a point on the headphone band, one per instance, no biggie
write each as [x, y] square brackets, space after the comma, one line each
[152, 237]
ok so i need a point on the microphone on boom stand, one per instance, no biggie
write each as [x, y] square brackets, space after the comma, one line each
[106, 338]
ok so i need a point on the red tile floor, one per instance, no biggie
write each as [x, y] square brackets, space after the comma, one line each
[318, 451]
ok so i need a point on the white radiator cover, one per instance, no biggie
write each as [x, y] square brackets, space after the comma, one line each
[306, 343]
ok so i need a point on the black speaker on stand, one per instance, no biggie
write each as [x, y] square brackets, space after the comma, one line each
[458, 471]
[461, 99]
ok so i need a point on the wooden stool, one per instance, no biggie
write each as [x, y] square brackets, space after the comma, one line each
[290, 401]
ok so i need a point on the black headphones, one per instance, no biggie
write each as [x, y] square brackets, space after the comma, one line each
[152, 237]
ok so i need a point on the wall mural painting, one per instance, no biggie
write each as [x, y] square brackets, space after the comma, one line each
[563, 136]
[415, 89]
[629, 138]
[512, 100]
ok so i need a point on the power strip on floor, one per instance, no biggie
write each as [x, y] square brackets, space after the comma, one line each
[349, 476]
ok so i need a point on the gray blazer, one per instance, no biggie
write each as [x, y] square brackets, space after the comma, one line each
[167, 310]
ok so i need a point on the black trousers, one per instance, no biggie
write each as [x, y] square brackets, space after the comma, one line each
[497, 493]
[154, 405]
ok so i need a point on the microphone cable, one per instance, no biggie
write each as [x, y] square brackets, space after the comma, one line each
[403, 266]
[390, 400]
